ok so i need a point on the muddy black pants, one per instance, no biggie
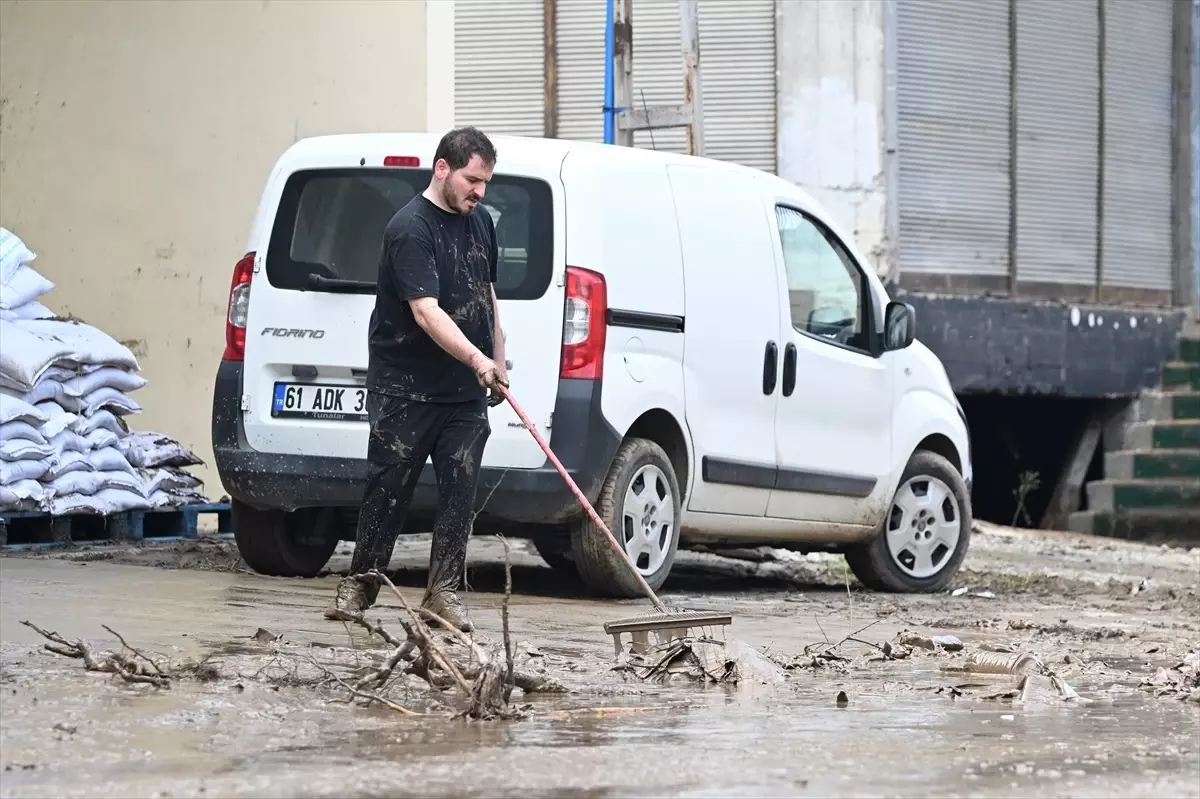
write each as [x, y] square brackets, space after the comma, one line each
[404, 433]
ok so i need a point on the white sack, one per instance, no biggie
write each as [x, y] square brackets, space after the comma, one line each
[14, 409]
[74, 503]
[24, 430]
[175, 499]
[18, 449]
[50, 390]
[30, 310]
[122, 480]
[168, 480]
[27, 354]
[69, 441]
[147, 450]
[100, 420]
[90, 345]
[15, 471]
[110, 459]
[107, 399]
[115, 500]
[25, 286]
[69, 462]
[104, 377]
[58, 422]
[100, 438]
[13, 254]
[21, 494]
[80, 483]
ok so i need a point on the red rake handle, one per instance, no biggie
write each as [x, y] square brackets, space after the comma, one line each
[587, 506]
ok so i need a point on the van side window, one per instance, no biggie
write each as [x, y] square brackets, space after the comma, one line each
[330, 222]
[826, 290]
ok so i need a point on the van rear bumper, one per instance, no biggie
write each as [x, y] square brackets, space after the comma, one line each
[506, 499]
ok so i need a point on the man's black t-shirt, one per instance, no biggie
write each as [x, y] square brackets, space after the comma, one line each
[428, 252]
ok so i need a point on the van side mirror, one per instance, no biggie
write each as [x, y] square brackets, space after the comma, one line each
[899, 326]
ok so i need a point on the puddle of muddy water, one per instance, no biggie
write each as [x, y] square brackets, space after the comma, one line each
[896, 735]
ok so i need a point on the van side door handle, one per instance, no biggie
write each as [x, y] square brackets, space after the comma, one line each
[770, 367]
[789, 369]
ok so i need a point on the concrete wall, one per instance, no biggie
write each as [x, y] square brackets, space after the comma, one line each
[135, 137]
[831, 112]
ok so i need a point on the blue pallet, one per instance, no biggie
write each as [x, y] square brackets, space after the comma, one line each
[34, 529]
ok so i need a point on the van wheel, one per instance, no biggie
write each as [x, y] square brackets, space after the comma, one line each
[557, 554]
[925, 535]
[640, 503]
[281, 544]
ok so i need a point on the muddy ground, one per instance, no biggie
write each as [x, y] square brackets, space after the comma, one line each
[1104, 615]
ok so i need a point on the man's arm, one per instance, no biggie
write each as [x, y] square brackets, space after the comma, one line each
[441, 328]
[498, 352]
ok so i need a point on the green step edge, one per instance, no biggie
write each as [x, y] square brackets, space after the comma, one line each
[1181, 374]
[1160, 495]
[1180, 435]
[1189, 350]
[1180, 528]
[1185, 406]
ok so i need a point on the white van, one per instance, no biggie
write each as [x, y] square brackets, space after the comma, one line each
[708, 354]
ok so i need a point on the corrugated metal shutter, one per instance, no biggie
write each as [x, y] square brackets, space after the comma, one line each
[1136, 246]
[1058, 140]
[580, 42]
[499, 67]
[953, 117]
[737, 55]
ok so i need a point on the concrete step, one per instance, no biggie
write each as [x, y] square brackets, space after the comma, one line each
[1121, 495]
[1165, 406]
[1181, 528]
[1151, 464]
[1189, 350]
[1181, 374]
[1178, 434]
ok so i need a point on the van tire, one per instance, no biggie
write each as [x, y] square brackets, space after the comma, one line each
[874, 564]
[270, 540]
[557, 554]
[603, 571]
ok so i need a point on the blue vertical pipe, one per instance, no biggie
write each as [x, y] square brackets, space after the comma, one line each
[609, 113]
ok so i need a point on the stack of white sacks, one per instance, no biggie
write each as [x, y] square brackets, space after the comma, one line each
[64, 395]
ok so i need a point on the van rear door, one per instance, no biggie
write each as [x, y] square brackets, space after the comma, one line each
[312, 296]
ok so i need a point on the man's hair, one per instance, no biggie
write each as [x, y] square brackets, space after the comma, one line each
[460, 144]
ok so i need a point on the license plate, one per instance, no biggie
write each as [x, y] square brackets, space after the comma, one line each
[316, 401]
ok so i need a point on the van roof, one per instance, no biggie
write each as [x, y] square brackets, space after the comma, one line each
[375, 146]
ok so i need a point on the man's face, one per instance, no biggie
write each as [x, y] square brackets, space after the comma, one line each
[462, 189]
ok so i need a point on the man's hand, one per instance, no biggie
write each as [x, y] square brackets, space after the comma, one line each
[487, 372]
[495, 397]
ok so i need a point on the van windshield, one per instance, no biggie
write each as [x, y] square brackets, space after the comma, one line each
[330, 223]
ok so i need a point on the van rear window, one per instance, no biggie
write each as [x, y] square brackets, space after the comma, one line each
[330, 223]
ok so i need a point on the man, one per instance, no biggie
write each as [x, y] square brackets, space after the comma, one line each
[435, 351]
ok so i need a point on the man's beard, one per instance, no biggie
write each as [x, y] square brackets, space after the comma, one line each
[453, 201]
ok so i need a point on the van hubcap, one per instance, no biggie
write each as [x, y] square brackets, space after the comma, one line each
[923, 526]
[648, 519]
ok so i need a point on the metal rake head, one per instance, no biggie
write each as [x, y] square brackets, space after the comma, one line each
[663, 627]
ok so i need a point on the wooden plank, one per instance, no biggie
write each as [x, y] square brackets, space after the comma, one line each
[1065, 499]
[666, 116]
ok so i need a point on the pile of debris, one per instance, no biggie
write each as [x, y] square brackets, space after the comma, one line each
[65, 446]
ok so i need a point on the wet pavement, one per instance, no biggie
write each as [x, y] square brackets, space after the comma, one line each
[1106, 614]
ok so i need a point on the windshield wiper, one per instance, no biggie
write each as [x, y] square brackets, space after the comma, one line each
[339, 286]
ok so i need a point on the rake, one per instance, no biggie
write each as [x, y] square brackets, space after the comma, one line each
[664, 625]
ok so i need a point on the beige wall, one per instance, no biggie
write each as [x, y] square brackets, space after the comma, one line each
[135, 138]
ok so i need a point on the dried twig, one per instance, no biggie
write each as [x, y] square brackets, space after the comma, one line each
[422, 631]
[128, 670]
[362, 694]
[136, 652]
[508, 652]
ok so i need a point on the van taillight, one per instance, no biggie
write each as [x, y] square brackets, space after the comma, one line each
[239, 307]
[584, 325]
[401, 160]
